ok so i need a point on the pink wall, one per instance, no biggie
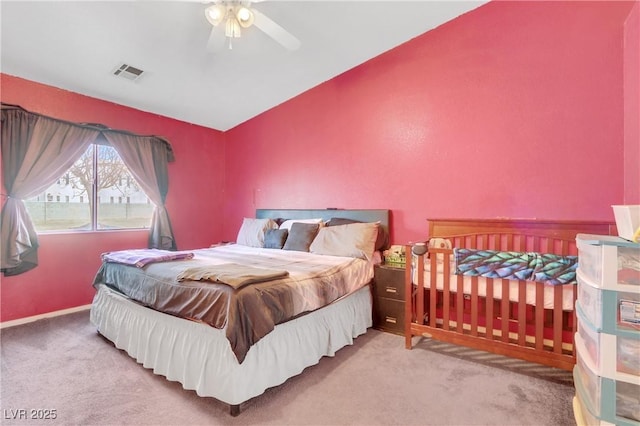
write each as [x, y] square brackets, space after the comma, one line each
[632, 107]
[512, 110]
[68, 262]
[515, 109]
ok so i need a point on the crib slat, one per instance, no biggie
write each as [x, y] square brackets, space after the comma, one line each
[574, 320]
[539, 315]
[564, 247]
[557, 319]
[496, 242]
[522, 313]
[509, 242]
[459, 305]
[504, 313]
[550, 244]
[446, 303]
[536, 244]
[433, 289]
[474, 306]
[420, 291]
[408, 306]
[489, 312]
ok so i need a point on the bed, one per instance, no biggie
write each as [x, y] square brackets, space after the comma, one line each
[520, 315]
[232, 339]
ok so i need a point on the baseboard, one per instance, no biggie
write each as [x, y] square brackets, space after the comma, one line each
[20, 321]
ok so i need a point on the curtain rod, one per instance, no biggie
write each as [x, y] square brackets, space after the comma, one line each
[92, 126]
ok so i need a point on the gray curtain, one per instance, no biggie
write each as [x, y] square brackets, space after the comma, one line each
[36, 151]
[147, 158]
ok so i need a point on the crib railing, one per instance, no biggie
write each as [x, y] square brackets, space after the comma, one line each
[487, 321]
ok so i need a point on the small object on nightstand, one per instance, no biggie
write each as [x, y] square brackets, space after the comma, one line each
[395, 256]
[419, 248]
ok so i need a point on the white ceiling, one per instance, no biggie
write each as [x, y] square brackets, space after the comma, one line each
[75, 45]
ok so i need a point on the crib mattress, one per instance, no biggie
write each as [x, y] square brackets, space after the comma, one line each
[568, 300]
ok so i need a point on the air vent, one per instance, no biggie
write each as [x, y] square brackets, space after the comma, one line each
[128, 72]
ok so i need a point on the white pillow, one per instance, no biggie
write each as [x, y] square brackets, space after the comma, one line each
[252, 231]
[287, 223]
[441, 243]
[351, 240]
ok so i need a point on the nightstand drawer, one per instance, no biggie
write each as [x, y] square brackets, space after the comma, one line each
[389, 282]
[389, 315]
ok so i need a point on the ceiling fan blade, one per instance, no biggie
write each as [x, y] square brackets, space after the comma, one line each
[216, 40]
[275, 31]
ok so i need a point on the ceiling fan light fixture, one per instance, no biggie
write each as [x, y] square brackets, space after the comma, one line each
[245, 17]
[232, 28]
[215, 14]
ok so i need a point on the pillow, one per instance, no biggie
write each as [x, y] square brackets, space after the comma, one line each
[252, 231]
[300, 236]
[350, 240]
[382, 240]
[287, 223]
[275, 238]
[279, 220]
[440, 243]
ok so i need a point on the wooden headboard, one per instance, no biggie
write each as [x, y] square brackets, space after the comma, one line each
[374, 215]
[550, 236]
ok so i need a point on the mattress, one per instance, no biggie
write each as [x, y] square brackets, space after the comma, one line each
[568, 290]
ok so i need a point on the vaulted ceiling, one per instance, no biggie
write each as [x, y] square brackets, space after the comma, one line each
[77, 46]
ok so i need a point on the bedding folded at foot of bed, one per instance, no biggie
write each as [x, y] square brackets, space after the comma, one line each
[231, 274]
[142, 257]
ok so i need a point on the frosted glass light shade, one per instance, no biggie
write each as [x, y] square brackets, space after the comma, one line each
[215, 14]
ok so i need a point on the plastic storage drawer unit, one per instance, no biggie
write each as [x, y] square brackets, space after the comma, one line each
[614, 401]
[608, 355]
[595, 301]
[604, 263]
[585, 417]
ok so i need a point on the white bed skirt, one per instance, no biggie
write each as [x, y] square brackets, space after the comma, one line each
[200, 358]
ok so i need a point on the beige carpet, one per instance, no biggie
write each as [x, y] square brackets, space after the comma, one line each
[62, 364]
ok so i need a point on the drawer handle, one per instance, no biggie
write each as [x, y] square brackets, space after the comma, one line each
[391, 290]
[392, 320]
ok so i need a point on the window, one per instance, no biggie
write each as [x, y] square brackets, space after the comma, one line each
[99, 174]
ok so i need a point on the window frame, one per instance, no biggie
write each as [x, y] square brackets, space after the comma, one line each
[95, 198]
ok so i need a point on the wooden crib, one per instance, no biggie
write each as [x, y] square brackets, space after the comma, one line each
[528, 320]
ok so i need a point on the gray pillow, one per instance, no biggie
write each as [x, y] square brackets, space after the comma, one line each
[275, 238]
[301, 236]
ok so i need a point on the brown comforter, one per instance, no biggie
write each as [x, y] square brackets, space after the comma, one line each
[248, 313]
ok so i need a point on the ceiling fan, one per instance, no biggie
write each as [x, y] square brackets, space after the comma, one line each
[234, 15]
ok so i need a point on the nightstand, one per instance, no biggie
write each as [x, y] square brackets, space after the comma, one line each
[388, 298]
